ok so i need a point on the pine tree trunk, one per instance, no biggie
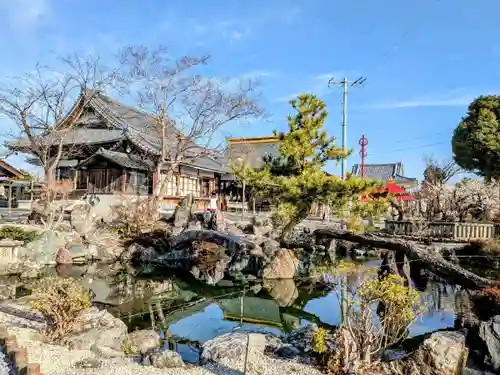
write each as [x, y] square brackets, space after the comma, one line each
[301, 215]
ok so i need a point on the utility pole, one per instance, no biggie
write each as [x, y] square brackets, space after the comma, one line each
[346, 84]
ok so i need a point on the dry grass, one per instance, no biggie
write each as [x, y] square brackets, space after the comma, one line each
[60, 301]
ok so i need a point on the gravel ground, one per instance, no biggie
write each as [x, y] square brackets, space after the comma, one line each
[4, 365]
[58, 360]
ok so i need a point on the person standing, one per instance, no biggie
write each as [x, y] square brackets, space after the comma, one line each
[212, 205]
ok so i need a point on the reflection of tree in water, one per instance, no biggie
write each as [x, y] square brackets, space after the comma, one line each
[439, 297]
[193, 296]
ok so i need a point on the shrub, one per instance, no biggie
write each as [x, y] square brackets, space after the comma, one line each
[487, 302]
[377, 313]
[18, 234]
[319, 344]
[60, 301]
[133, 217]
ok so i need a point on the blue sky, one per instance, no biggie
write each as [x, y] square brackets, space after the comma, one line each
[424, 60]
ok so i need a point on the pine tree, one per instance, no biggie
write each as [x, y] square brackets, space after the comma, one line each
[295, 179]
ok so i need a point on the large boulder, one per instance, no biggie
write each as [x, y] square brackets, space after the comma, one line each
[238, 249]
[206, 254]
[163, 359]
[231, 346]
[183, 213]
[144, 340]
[442, 353]
[283, 266]
[100, 332]
[489, 332]
[44, 249]
[300, 238]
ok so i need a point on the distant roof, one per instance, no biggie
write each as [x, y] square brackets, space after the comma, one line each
[11, 170]
[399, 178]
[382, 172]
[252, 150]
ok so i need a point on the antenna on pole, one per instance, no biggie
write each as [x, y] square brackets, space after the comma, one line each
[345, 83]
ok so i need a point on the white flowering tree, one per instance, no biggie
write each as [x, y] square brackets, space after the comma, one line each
[467, 199]
[473, 199]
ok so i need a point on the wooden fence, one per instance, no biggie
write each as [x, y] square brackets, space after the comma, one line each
[445, 230]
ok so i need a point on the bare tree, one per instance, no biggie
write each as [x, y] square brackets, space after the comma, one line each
[41, 104]
[439, 172]
[189, 110]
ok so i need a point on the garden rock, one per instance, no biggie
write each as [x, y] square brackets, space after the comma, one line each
[63, 256]
[283, 266]
[302, 339]
[78, 252]
[234, 346]
[233, 229]
[166, 359]
[259, 231]
[43, 250]
[183, 212]
[489, 332]
[298, 239]
[445, 352]
[99, 332]
[144, 340]
[287, 352]
[270, 247]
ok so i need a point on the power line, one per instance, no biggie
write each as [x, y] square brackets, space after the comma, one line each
[345, 83]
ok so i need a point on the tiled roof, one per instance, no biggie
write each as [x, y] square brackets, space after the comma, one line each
[379, 171]
[252, 153]
[10, 169]
[76, 136]
[404, 179]
[126, 122]
[123, 160]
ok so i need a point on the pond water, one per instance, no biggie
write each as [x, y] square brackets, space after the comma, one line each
[188, 313]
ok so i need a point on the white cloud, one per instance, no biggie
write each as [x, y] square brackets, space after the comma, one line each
[316, 84]
[455, 98]
[24, 13]
[257, 74]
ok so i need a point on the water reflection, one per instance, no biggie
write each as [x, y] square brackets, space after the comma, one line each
[196, 312]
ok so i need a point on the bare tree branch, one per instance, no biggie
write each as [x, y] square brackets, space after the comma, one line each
[41, 104]
[189, 109]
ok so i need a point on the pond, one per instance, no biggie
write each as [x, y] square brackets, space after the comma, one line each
[188, 313]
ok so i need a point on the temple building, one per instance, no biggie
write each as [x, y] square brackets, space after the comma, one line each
[15, 185]
[388, 173]
[112, 148]
[249, 151]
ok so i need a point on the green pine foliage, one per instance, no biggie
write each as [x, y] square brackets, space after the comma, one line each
[476, 139]
[295, 179]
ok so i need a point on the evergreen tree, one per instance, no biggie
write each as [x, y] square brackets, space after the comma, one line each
[295, 179]
[476, 139]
